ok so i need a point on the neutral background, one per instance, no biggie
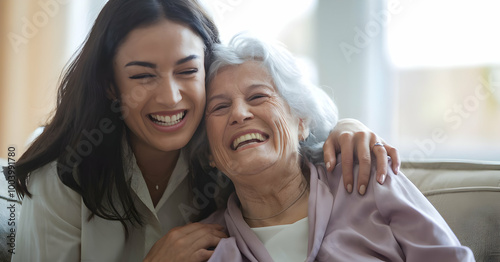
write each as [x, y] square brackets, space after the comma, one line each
[424, 74]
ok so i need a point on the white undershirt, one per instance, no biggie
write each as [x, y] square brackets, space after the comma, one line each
[285, 242]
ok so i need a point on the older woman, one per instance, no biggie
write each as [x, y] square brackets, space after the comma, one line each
[264, 123]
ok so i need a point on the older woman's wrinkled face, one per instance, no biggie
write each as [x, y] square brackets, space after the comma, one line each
[249, 125]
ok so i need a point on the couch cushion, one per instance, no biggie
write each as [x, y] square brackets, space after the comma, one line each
[467, 194]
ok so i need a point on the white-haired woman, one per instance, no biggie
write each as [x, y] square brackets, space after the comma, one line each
[264, 123]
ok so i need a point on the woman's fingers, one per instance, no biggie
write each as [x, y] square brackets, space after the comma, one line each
[347, 159]
[378, 150]
[357, 144]
[187, 243]
[190, 230]
[202, 255]
[208, 238]
[329, 152]
[362, 139]
[396, 160]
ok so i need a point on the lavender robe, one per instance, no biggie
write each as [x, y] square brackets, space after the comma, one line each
[391, 222]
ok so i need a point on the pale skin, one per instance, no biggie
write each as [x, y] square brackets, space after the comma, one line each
[159, 72]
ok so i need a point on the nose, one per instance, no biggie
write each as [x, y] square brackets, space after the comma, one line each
[240, 112]
[169, 93]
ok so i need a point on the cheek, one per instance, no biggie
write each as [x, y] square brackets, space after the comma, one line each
[210, 125]
[214, 134]
[215, 131]
[286, 128]
[198, 96]
[133, 100]
[200, 89]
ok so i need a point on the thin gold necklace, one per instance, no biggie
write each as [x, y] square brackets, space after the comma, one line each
[279, 213]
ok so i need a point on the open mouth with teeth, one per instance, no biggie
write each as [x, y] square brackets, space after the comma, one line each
[167, 120]
[248, 139]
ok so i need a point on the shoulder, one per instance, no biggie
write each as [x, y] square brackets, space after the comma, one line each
[399, 197]
[50, 221]
[45, 176]
[319, 175]
[396, 186]
[45, 186]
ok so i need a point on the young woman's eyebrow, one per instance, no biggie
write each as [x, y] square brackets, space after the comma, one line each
[186, 59]
[141, 63]
[153, 66]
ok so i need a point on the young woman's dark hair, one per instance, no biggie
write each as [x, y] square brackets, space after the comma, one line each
[85, 134]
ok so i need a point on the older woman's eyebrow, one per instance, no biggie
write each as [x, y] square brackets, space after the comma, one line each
[260, 85]
[219, 96]
[250, 87]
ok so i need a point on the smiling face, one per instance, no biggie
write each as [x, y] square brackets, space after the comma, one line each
[249, 125]
[160, 74]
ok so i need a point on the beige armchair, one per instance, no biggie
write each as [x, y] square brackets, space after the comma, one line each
[467, 194]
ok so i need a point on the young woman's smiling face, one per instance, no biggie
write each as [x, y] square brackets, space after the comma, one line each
[160, 74]
[249, 125]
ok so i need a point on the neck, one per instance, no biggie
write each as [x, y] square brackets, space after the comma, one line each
[154, 164]
[283, 200]
[156, 167]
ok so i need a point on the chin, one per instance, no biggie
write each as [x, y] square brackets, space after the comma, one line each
[172, 144]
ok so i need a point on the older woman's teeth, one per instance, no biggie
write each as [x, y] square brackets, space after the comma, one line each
[167, 120]
[248, 138]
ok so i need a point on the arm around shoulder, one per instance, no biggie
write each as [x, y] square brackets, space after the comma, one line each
[49, 227]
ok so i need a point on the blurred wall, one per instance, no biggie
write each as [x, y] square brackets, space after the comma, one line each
[38, 38]
[351, 57]
[32, 49]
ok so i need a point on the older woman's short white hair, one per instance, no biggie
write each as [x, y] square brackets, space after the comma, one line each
[307, 101]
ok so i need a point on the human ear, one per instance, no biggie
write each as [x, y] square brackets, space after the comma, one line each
[303, 130]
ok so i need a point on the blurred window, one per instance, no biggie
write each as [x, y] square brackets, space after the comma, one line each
[446, 64]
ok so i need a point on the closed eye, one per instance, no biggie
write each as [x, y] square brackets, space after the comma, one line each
[142, 76]
[189, 71]
[220, 107]
[257, 96]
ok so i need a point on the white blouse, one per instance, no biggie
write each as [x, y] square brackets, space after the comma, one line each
[285, 242]
[54, 226]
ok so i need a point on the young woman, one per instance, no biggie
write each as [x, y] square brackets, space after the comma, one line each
[108, 178]
[287, 207]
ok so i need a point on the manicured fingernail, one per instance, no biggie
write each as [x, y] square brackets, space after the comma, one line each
[362, 189]
[349, 188]
[328, 165]
[397, 170]
[382, 179]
